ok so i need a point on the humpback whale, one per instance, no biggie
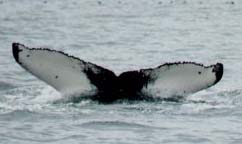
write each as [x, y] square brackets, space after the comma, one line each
[71, 75]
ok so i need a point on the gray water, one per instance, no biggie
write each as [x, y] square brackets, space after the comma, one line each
[122, 35]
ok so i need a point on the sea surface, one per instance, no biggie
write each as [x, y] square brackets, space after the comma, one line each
[122, 35]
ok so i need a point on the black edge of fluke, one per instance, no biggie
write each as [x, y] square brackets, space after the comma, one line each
[219, 70]
[16, 50]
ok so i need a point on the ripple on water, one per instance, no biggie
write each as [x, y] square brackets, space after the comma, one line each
[117, 125]
[6, 86]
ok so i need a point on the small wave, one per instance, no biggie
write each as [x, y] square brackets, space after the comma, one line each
[16, 114]
[211, 102]
[231, 97]
[116, 124]
[41, 139]
[6, 85]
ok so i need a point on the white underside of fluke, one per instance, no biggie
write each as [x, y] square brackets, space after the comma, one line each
[179, 79]
[62, 72]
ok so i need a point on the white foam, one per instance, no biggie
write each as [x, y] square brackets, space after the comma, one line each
[47, 95]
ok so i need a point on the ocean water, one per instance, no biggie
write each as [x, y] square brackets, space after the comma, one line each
[122, 35]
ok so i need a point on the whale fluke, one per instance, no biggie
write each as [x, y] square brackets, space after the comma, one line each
[71, 75]
[181, 78]
[65, 73]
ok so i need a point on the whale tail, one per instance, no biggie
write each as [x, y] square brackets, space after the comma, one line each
[71, 75]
